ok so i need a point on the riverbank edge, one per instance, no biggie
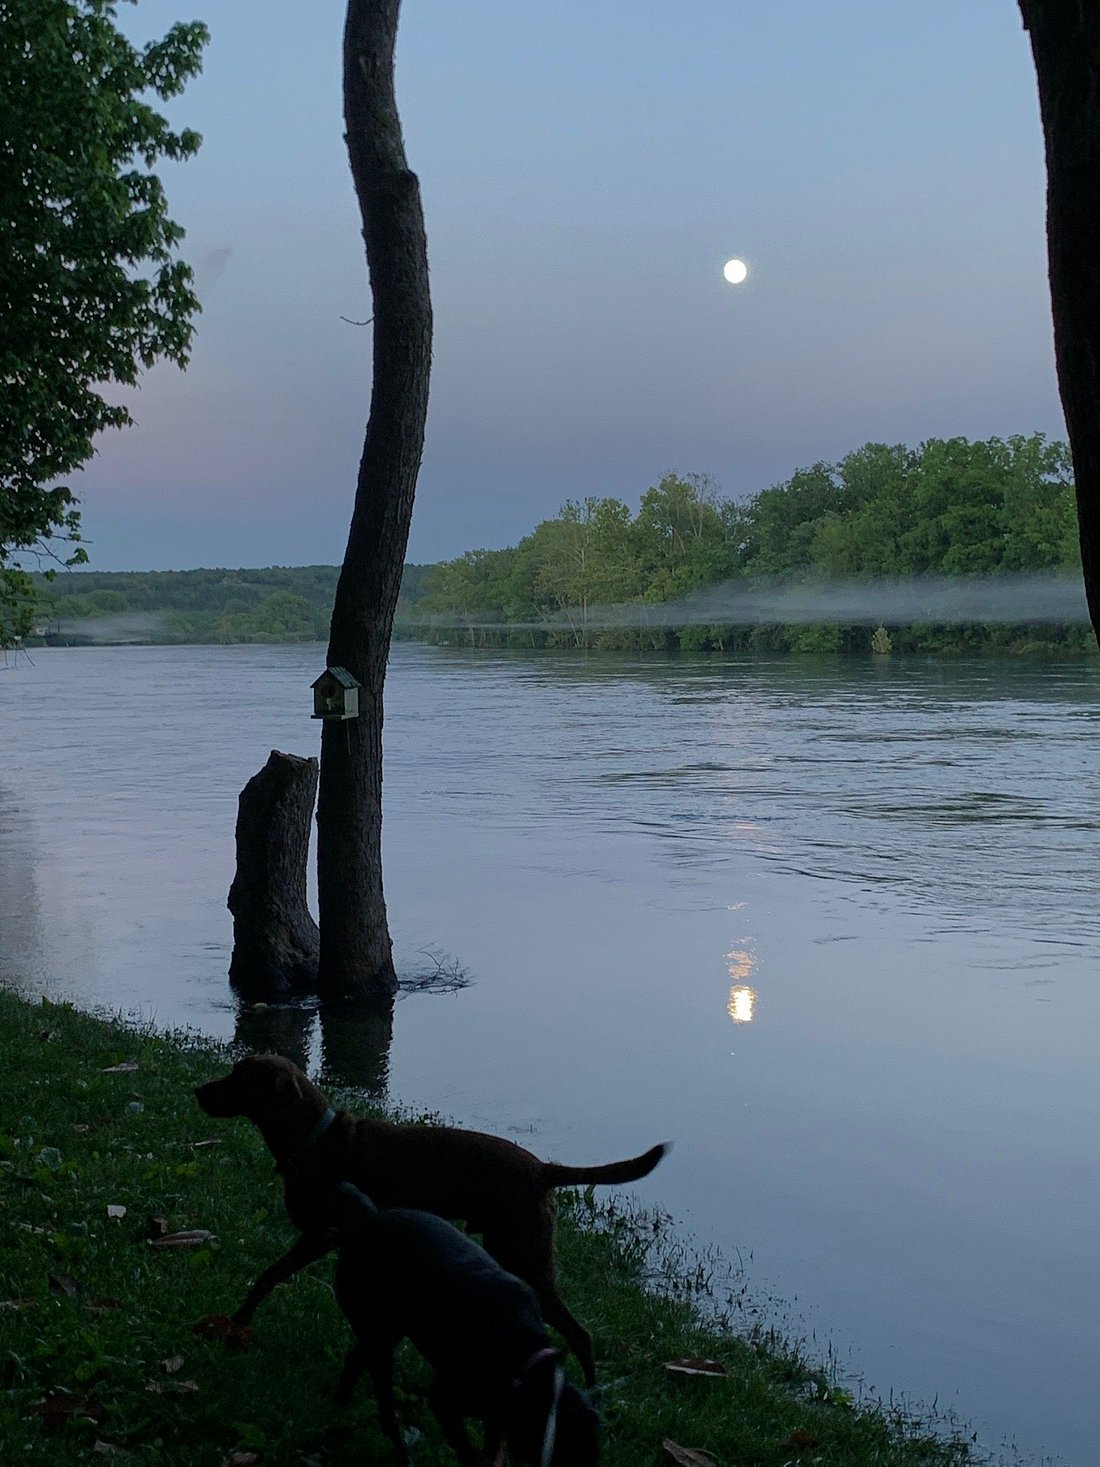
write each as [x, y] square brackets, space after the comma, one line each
[902, 641]
[97, 1353]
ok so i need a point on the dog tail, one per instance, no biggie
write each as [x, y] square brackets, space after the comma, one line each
[613, 1171]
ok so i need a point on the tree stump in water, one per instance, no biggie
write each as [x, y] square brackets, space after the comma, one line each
[275, 939]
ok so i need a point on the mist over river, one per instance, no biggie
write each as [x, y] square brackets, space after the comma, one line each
[832, 927]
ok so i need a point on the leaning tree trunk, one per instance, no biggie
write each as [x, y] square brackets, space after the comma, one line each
[1065, 42]
[274, 937]
[356, 955]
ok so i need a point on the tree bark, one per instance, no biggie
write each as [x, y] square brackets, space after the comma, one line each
[356, 956]
[275, 940]
[1065, 42]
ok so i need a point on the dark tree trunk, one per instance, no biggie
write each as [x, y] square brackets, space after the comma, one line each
[1065, 42]
[356, 956]
[275, 940]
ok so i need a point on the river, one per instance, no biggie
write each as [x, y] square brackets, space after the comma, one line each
[832, 927]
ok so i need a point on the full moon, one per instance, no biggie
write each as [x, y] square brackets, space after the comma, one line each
[735, 271]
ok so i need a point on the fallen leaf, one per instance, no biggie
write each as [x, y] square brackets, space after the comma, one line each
[190, 1239]
[799, 1441]
[102, 1303]
[83, 1130]
[18, 1303]
[126, 1068]
[221, 1327]
[115, 1209]
[172, 1364]
[55, 1410]
[696, 1366]
[156, 1227]
[30, 1228]
[688, 1456]
[171, 1387]
[62, 1284]
[213, 1141]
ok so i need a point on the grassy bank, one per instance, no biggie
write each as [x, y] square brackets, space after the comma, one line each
[97, 1354]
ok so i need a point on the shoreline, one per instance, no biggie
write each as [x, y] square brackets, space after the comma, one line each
[93, 1313]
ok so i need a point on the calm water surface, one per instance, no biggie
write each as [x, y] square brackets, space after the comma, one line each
[831, 927]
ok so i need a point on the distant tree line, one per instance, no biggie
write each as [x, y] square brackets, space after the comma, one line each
[278, 604]
[948, 508]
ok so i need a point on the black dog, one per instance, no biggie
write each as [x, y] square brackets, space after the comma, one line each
[408, 1274]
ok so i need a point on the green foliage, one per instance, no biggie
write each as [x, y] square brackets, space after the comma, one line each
[98, 1356]
[91, 289]
[280, 617]
[950, 507]
[17, 602]
[279, 604]
[680, 537]
[881, 644]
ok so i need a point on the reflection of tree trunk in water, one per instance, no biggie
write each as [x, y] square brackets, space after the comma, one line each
[355, 1045]
[276, 1029]
[275, 939]
[355, 1040]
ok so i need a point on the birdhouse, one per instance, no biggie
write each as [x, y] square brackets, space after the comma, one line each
[336, 694]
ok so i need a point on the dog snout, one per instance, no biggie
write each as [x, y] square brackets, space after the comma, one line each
[215, 1098]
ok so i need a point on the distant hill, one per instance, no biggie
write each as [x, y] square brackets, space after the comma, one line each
[273, 604]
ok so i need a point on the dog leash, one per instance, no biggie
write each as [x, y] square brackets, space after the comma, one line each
[551, 1433]
[549, 1436]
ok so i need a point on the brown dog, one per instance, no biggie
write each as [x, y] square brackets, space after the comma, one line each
[494, 1186]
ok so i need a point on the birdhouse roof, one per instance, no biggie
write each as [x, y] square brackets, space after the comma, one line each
[337, 675]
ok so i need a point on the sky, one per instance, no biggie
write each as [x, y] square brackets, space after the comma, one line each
[587, 167]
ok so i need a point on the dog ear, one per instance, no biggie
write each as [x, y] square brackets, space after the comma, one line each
[288, 1085]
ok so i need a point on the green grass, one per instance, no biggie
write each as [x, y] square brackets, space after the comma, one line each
[91, 1310]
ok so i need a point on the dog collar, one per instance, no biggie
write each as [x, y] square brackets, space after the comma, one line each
[319, 1129]
[294, 1159]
